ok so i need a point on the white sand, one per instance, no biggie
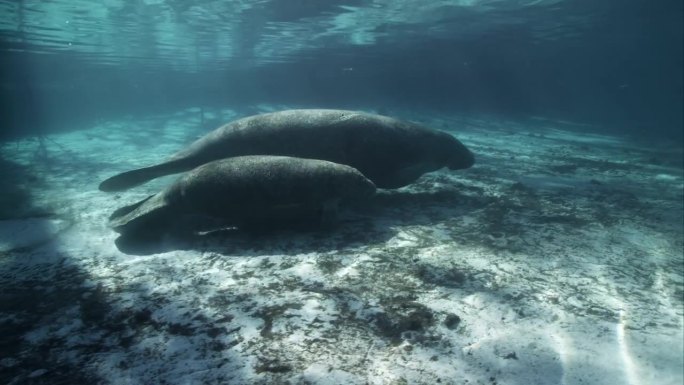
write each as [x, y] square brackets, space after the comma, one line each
[557, 259]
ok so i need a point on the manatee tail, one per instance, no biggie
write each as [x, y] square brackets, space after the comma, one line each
[137, 177]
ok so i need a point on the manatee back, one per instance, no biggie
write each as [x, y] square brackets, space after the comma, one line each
[312, 134]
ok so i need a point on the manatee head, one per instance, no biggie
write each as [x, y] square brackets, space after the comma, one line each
[352, 184]
[453, 154]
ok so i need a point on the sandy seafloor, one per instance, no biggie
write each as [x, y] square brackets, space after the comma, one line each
[557, 259]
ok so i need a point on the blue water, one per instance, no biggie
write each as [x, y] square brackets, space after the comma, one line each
[614, 63]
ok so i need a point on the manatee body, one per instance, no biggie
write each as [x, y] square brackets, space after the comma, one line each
[245, 191]
[390, 152]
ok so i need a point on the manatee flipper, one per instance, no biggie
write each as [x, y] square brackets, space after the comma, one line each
[329, 211]
[147, 216]
[127, 209]
[137, 177]
[405, 175]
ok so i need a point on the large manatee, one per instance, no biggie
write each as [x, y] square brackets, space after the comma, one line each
[390, 152]
[247, 191]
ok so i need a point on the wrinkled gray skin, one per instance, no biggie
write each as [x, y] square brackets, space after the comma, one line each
[248, 190]
[389, 152]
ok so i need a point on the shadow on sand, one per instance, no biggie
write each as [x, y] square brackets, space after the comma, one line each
[370, 223]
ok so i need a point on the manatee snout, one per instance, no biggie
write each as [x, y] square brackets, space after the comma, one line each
[462, 159]
[360, 187]
[452, 153]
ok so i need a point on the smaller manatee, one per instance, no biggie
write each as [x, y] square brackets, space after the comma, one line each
[246, 191]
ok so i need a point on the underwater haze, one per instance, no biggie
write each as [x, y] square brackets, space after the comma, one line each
[613, 63]
[556, 258]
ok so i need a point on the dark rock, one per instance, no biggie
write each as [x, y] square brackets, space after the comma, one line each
[511, 356]
[271, 366]
[406, 317]
[452, 321]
